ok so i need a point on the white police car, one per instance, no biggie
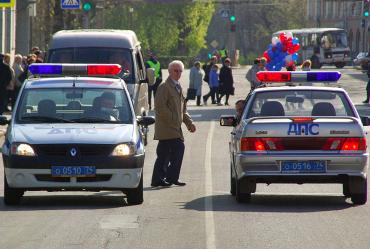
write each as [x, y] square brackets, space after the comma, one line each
[74, 133]
[298, 134]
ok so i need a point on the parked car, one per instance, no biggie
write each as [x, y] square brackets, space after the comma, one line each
[362, 60]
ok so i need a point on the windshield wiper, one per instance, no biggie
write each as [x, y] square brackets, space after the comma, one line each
[94, 120]
[46, 119]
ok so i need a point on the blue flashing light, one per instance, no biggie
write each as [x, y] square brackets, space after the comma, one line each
[46, 69]
[323, 76]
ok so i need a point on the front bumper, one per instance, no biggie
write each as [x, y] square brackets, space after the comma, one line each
[34, 173]
[267, 168]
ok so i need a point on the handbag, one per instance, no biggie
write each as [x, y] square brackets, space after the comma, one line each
[191, 93]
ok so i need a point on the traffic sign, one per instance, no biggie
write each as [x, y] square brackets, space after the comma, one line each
[7, 3]
[70, 4]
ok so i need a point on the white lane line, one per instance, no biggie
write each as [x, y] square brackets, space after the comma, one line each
[210, 222]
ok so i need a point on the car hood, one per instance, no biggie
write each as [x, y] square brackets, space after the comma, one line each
[72, 133]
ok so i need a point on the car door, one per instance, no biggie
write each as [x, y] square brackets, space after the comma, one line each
[141, 85]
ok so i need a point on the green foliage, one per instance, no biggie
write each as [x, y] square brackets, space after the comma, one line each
[166, 29]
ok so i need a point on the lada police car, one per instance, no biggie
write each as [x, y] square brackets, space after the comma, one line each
[74, 133]
[298, 134]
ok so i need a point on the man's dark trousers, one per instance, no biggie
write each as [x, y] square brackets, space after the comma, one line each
[169, 159]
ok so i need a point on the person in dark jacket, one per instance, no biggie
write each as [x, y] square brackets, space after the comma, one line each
[226, 86]
[366, 101]
[5, 79]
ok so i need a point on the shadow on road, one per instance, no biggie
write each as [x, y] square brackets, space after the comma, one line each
[66, 202]
[272, 203]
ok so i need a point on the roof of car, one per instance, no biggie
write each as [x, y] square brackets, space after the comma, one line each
[94, 38]
[65, 82]
[293, 88]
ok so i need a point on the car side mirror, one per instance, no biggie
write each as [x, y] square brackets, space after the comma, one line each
[150, 74]
[145, 120]
[226, 120]
[365, 121]
[4, 120]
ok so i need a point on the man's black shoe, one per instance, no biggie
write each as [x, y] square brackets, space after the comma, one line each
[161, 184]
[178, 183]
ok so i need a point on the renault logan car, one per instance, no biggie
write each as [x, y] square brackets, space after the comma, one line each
[298, 134]
[74, 133]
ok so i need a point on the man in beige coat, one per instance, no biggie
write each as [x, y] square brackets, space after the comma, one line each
[170, 113]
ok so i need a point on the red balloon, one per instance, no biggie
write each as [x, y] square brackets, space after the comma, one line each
[266, 55]
[282, 37]
[296, 47]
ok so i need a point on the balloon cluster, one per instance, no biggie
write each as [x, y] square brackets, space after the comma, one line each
[282, 52]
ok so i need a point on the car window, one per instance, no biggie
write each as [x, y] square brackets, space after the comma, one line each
[74, 105]
[99, 55]
[299, 103]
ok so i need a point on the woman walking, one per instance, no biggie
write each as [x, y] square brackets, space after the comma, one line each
[196, 80]
[226, 82]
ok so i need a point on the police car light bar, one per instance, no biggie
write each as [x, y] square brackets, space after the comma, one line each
[74, 69]
[311, 76]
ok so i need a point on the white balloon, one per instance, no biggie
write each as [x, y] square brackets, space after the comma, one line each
[274, 40]
[289, 34]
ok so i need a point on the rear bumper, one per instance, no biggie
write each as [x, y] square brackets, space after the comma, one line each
[267, 168]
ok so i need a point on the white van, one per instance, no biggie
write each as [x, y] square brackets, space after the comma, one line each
[106, 46]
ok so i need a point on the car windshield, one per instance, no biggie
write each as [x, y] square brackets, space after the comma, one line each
[299, 103]
[99, 55]
[334, 40]
[77, 105]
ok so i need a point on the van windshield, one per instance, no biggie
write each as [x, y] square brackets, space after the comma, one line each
[96, 55]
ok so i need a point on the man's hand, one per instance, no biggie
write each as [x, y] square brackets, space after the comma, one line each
[192, 128]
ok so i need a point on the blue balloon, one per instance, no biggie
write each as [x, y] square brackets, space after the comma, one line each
[279, 46]
[270, 53]
[295, 56]
[295, 41]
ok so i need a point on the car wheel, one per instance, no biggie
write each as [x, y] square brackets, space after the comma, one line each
[346, 191]
[232, 182]
[340, 64]
[241, 197]
[136, 196]
[12, 196]
[359, 197]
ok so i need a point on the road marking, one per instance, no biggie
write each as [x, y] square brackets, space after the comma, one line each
[114, 222]
[210, 222]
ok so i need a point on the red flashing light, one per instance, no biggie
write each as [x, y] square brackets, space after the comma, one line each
[103, 69]
[356, 143]
[302, 120]
[266, 76]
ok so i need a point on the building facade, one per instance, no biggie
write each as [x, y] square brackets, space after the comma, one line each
[345, 14]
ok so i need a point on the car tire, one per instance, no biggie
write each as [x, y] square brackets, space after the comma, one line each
[241, 197]
[346, 191]
[136, 196]
[340, 64]
[12, 196]
[360, 197]
[232, 182]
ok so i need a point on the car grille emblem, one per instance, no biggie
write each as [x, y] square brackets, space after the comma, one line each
[73, 152]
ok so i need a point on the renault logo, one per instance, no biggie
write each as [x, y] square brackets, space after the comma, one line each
[73, 152]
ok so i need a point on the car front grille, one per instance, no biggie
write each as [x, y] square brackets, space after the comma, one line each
[49, 178]
[80, 149]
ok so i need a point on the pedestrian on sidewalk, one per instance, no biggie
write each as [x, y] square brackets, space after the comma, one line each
[170, 113]
[196, 80]
[152, 62]
[226, 82]
[213, 85]
[366, 101]
[18, 71]
[258, 65]
[5, 79]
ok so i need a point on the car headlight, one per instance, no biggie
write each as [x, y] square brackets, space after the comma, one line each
[22, 150]
[124, 150]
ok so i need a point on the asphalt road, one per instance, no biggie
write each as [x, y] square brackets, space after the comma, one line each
[200, 215]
